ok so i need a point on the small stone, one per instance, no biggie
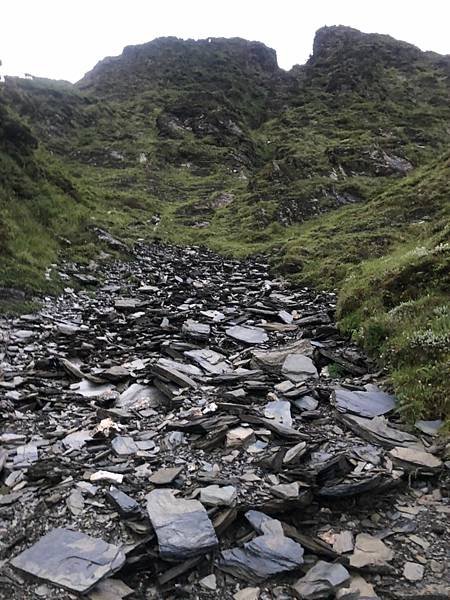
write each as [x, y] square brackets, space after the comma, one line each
[239, 436]
[415, 459]
[124, 504]
[419, 541]
[369, 550]
[429, 427]
[110, 589]
[298, 367]
[124, 445]
[322, 581]
[293, 455]
[306, 403]
[358, 588]
[247, 334]
[286, 491]
[209, 582]
[249, 593]
[165, 476]
[214, 495]
[413, 571]
[343, 542]
[280, 411]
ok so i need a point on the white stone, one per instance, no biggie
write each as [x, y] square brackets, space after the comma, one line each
[413, 571]
[209, 582]
[214, 495]
[239, 436]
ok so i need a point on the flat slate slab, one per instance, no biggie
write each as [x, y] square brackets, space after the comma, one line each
[165, 476]
[298, 367]
[247, 334]
[372, 403]
[379, 431]
[262, 557]
[280, 411]
[70, 559]
[322, 581]
[182, 526]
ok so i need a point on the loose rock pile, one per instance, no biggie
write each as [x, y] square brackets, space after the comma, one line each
[190, 427]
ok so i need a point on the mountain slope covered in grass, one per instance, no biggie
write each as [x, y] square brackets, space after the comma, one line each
[338, 168]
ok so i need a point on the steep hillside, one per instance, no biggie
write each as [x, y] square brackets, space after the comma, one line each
[338, 168]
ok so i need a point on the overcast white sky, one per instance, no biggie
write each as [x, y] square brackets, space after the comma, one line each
[63, 39]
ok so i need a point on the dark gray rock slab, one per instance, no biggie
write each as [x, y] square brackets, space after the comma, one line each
[171, 374]
[212, 362]
[182, 526]
[262, 557]
[195, 329]
[165, 476]
[429, 427]
[124, 504]
[247, 334]
[298, 367]
[70, 559]
[372, 403]
[279, 411]
[322, 581]
[124, 445]
[378, 430]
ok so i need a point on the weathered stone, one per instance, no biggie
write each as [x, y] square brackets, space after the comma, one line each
[294, 454]
[369, 550]
[107, 476]
[247, 334]
[286, 491]
[262, 557]
[124, 445]
[195, 329]
[209, 582]
[239, 436]
[126, 506]
[182, 526]
[272, 360]
[429, 427]
[372, 403]
[343, 542]
[249, 593]
[70, 559]
[280, 411]
[76, 440]
[214, 495]
[413, 571]
[415, 459]
[321, 581]
[306, 403]
[165, 476]
[298, 367]
[379, 431]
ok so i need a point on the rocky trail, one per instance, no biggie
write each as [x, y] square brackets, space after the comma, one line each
[186, 426]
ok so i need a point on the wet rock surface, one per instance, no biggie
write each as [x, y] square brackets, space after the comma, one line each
[175, 432]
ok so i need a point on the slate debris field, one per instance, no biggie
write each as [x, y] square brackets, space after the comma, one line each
[186, 426]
